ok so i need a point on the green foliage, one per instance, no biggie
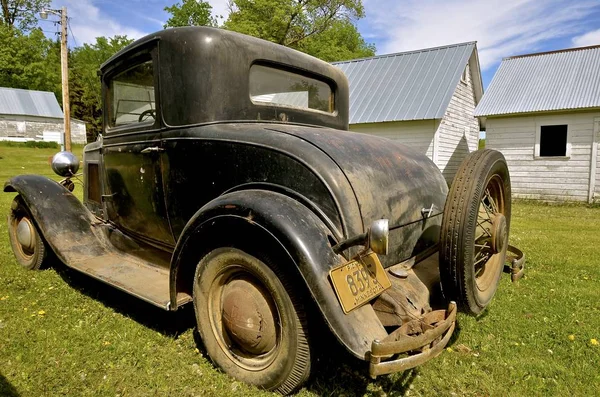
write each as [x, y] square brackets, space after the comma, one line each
[21, 14]
[31, 144]
[84, 83]
[340, 42]
[322, 28]
[190, 13]
[29, 61]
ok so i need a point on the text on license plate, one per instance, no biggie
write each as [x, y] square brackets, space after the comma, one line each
[359, 281]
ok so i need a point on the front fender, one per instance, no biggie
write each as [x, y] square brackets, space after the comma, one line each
[304, 237]
[61, 218]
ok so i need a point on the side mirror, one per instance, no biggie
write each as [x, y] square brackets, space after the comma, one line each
[378, 236]
[65, 164]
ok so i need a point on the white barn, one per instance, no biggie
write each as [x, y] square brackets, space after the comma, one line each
[27, 115]
[423, 98]
[542, 111]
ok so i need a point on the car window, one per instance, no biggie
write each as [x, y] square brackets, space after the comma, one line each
[269, 85]
[132, 96]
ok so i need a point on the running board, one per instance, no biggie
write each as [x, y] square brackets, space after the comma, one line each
[130, 275]
[85, 243]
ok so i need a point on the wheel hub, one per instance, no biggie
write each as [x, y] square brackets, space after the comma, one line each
[499, 233]
[25, 234]
[248, 316]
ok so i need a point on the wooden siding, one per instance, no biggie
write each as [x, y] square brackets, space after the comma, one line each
[417, 134]
[552, 179]
[458, 133]
[31, 127]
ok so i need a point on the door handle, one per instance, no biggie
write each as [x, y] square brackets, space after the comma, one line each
[153, 149]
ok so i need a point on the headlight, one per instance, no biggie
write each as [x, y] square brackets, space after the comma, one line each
[65, 164]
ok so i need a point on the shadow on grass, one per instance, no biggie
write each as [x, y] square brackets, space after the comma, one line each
[338, 373]
[167, 323]
[335, 371]
[6, 389]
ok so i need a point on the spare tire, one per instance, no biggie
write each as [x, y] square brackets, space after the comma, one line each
[475, 228]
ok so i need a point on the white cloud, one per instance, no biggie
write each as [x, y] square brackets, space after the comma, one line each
[500, 27]
[219, 7]
[88, 22]
[590, 38]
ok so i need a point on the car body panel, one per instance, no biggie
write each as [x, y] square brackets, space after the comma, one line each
[305, 239]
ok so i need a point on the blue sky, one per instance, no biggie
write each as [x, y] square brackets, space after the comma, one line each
[501, 27]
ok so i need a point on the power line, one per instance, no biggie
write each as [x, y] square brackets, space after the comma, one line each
[71, 29]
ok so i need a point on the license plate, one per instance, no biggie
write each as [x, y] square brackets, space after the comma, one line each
[359, 281]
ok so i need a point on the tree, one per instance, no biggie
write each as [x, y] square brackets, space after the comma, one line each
[29, 61]
[340, 42]
[323, 28]
[84, 83]
[22, 13]
[190, 13]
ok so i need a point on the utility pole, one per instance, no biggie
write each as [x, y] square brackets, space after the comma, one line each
[64, 69]
[65, 77]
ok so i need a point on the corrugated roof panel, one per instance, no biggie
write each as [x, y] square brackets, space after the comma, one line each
[415, 85]
[15, 101]
[560, 80]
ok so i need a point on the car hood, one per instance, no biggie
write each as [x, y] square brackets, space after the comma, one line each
[390, 180]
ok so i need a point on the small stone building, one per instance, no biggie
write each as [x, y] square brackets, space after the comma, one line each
[27, 115]
[542, 111]
[424, 99]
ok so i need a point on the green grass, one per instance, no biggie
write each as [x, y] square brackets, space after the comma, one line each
[62, 333]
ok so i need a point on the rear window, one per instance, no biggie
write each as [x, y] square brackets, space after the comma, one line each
[272, 86]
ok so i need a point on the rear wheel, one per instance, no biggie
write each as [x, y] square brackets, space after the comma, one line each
[25, 240]
[474, 234]
[251, 320]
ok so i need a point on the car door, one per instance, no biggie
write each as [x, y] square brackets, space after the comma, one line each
[132, 150]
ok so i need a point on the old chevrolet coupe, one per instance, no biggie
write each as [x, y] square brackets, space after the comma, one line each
[226, 178]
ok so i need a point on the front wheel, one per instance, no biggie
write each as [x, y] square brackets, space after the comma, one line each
[26, 242]
[474, 233]
[251, 320]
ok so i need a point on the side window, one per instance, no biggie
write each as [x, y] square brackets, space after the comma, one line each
[131, 95]
[553, 141]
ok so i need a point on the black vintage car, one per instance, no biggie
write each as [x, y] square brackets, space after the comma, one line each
[226, 178]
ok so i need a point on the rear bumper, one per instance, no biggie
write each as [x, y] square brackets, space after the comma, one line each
[413, 343]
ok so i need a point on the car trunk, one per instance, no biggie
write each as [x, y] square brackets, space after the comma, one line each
[390, 180]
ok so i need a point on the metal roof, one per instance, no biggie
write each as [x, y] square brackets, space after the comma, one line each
[15, 101]
[414, 85]
[550, 81]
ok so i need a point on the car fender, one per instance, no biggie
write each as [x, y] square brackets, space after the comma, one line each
[303, 237]
[63, 221]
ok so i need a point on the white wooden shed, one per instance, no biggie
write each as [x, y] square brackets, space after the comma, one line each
[423, 98]
[27, 115]
[542, 111]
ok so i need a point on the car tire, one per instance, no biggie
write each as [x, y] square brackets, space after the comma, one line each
[251, 320]
[474, 232]
[29, 248]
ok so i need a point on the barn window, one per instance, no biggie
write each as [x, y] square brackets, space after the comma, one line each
[553, 141]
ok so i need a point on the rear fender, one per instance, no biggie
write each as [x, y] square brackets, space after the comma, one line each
[63, 221]
[300, 234]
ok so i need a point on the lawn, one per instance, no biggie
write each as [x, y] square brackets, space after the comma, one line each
[62, 333]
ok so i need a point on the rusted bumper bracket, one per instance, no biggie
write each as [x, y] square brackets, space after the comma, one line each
[516, 258]
[420, 340]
